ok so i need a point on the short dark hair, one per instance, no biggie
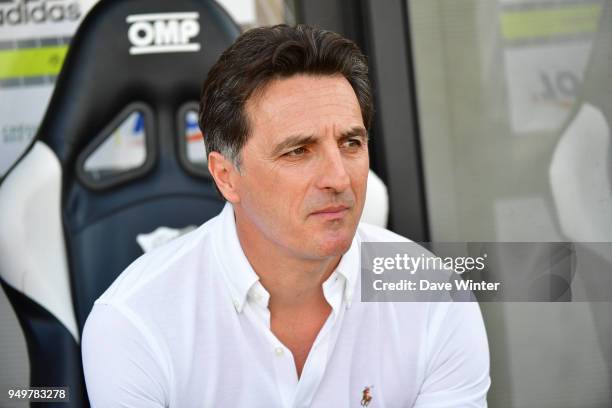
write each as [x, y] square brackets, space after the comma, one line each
[261, 55]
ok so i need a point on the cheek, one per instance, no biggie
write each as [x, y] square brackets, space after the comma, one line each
[276, 192]
[360, 170]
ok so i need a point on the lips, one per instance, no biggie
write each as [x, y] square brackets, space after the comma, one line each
[332, 212]
[332, 209]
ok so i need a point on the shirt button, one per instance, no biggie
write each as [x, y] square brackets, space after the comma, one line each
[236, 304]
[278, 351]
[258, 297]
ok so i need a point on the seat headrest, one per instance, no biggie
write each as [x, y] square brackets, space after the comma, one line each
[154, 52]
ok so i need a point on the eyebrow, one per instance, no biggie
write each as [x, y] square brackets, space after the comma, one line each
[301, 140]
[295, 140]
[356, 131]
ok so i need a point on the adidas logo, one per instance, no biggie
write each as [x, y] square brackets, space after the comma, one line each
[15, 13]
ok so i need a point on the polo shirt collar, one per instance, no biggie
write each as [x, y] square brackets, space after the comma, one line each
[240, 276]
[348, 267]
[238, 272]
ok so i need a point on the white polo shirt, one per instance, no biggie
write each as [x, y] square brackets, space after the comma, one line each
[187, 325]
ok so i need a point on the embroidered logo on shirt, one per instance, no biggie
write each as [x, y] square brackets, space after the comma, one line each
[366, 396]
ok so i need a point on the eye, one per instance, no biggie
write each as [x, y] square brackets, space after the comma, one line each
[352, 142]
[299, 151]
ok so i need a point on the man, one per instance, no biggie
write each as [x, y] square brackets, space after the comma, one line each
[260, 307]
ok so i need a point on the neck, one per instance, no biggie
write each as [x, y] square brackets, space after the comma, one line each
[291, 280]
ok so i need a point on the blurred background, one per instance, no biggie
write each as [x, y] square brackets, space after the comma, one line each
[492, 124]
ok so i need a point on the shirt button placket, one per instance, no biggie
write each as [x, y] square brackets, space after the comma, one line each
[286, 377]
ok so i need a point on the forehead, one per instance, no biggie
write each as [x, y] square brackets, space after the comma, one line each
[303, 104]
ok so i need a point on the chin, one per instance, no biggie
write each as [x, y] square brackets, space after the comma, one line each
[331, 239]
[335, 246]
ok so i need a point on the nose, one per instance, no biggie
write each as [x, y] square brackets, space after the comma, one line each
[333, 175]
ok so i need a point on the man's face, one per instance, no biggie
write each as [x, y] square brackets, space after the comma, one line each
[304, 167]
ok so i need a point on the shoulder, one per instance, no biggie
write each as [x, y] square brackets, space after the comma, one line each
[122, 362]
[156, 264]
[457, 356]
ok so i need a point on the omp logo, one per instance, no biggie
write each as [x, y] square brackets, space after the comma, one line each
[163, 32]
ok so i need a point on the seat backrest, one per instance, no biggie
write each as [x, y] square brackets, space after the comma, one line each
[581, 164]
[376, 206]
[118, 154]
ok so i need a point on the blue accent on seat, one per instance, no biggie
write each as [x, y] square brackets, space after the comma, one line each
[55, 357]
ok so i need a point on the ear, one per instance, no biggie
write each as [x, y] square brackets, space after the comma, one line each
[225, 175]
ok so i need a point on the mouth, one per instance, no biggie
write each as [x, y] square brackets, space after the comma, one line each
[332, 212]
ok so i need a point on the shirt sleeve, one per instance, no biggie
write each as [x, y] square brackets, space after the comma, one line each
[120, 366]
[457, 367]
